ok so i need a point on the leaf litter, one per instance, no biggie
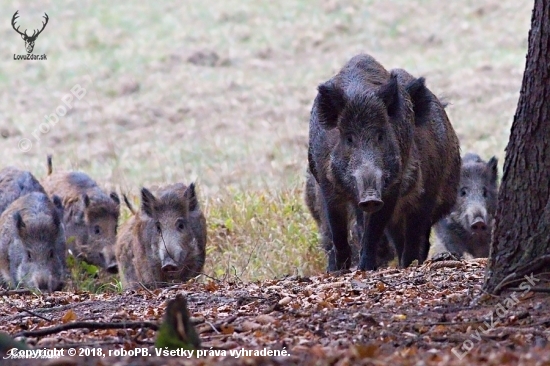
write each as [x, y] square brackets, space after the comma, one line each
[424, 315]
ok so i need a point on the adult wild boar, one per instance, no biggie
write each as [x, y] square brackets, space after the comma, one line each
[467, 229]
[15, 183]
[32, 243]
[381, 143]
[90, 216]
[165, 240]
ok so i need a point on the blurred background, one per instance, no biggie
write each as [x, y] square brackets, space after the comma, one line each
[219, 92]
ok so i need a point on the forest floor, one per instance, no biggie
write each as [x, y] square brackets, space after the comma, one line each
[427, 315]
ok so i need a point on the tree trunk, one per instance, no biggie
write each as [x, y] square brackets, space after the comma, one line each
[521, 237]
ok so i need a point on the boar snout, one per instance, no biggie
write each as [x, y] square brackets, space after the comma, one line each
[369, 182]
[112, 268]
[168, 265]
[43, 284]
[479, 225]
[108, 258]
[370, 202]
[477, 220]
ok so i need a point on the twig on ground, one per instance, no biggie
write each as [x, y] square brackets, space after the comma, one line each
[532, 289]
[213, 327]
[146, 289]
[88, 325]
[87, 344]
[34, 314]
[15, 292]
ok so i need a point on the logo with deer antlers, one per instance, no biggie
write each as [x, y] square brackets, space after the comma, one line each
[29, 40]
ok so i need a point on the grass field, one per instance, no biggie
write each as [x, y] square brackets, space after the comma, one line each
[219, 92]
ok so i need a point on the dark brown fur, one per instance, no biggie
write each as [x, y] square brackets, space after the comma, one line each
[165, 240]
[90, 216]
[430, 184]
[312, 195]
[372, 148]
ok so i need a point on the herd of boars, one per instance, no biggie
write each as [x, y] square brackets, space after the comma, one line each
[384, 168]
[68, 213]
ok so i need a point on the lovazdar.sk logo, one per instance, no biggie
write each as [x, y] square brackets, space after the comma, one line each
[29, 40]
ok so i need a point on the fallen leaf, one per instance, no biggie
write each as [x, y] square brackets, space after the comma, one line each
[69, 316]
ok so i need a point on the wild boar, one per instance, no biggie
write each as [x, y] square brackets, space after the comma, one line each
[381, 143]
[467, 229]
[90, 216]
[165, 240]
[32, 243]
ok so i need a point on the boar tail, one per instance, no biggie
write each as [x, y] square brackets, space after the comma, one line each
[50, 169]
[129, 205]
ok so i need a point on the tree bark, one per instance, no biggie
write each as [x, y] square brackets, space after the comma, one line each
[521, 236]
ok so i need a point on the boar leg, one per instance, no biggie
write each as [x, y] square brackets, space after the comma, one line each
[415, 239]
[425, 245]
[339, 257]
[373, 229]
[396, 234]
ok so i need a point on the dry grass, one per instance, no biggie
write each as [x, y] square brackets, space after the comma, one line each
[240, 125]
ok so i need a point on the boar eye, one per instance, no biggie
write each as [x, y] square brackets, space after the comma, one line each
[380, 137]
[97, 230]
[463, 192]
[180, 224]
[349, 139]
[51, 253]
[484, 192]
[28, 255]
[159, 229]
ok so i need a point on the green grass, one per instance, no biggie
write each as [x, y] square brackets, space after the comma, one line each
[258, 235]
[89, 278]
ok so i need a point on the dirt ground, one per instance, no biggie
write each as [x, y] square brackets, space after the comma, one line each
[220, 93]
[428, 315]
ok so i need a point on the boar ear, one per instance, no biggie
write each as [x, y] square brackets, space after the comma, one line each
[492, 167]
[389, 93]
[57, 202]
[19, 224]
[421, 99]
[330, 103]
[58, 205]
[191, 197]
[85, 200]
[147, 202]
[114, 197]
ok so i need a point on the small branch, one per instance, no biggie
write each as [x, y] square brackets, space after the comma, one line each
[87, 344]
[15, 292]
[34, 314]
[210, 277]
[532, 289]
[146, 289]
[88, 325]
[213, 327]
[70, 306]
